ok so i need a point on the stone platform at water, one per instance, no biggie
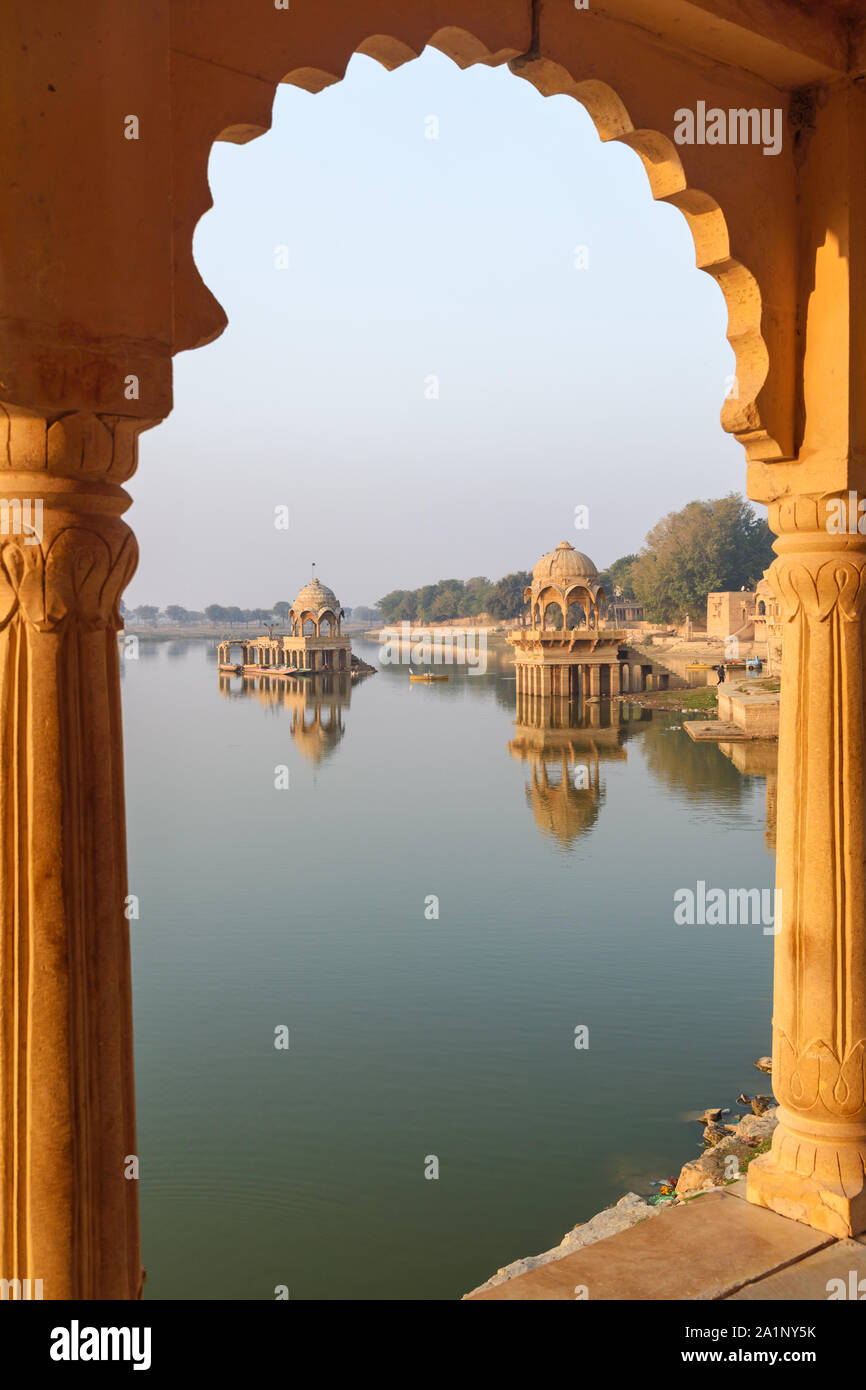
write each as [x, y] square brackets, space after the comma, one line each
[716, 731]
[717, 1246]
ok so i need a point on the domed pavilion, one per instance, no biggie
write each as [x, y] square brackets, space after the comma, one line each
[313, 643]
[564, 650]
[565, 580]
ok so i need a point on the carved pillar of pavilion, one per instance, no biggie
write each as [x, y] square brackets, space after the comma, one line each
[68, 1210]
[815, 1171]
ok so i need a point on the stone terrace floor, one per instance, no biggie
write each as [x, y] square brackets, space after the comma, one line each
[718, 1246]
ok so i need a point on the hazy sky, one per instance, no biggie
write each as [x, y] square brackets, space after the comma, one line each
[411, 258]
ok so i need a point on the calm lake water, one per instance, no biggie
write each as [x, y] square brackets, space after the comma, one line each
[412, 1037]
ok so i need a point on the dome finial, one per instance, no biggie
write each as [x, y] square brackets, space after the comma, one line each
[316, 597]
[565, 563]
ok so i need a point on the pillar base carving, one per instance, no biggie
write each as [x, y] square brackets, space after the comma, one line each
[815, 1174]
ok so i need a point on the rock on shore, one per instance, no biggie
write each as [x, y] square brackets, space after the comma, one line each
[628, 1211]
[726, 1142]
[713, 1169]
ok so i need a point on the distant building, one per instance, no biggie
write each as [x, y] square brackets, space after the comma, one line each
[768, 618]
[729, 613]
[314, 641]
[622, 611]
[565, 651]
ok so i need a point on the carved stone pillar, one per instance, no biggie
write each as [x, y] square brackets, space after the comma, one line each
[68, 1212]
[815, 1171]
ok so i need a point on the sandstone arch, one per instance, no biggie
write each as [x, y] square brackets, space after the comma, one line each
[632, 108]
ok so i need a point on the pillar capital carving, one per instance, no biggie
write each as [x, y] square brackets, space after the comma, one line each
[820, 565]
[816, 581]
[64, 550]
[815, 514]
[77, 444]
[76, 572]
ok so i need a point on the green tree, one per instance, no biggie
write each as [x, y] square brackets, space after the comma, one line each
[707, 547]
[282, 609]
[619, 573]
[176, 614]
[506, 596]
[476, 596]
[446, 605]
[398, 605]
[426, 596]
[147, 613]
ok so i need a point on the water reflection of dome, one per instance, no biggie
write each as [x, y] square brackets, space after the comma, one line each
[317, 715]
[317, 732]
[562, 809]
[315, 708]
[564, 749]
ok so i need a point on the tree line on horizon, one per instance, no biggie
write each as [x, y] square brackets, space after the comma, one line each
[457, 598]
[706, 547]
[218, 613]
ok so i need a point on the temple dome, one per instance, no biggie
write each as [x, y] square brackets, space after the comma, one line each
[315, 597]
[564, 563]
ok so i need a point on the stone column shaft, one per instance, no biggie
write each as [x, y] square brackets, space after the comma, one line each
[815, 1171]
[68, 1213]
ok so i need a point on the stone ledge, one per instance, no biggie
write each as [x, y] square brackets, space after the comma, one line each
[627, 1212]
[807, 1280]
[706, 1249]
